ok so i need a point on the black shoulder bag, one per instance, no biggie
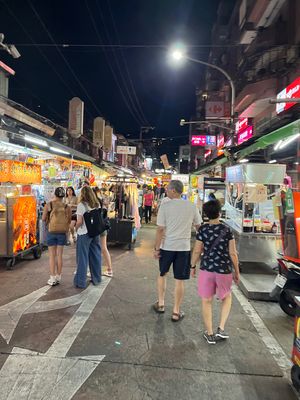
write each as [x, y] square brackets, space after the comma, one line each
[94, 221]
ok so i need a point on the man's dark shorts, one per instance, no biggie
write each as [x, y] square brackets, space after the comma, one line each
[181, 261]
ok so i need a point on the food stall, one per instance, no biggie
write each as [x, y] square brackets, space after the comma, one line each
[18, 210]
[251, 210]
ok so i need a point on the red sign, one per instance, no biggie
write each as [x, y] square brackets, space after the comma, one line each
[214, 109]
[290, 92]
[7, 68]
[203, 140]
[243, 124]
[246, 135]
[220, 140]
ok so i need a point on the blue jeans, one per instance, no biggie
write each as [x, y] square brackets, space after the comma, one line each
[88, 253]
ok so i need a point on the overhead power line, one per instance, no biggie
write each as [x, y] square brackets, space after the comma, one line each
[136, 118]
[126, 66]
[64, 59]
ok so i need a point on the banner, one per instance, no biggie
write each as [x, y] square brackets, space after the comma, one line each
[24, 223]
[76, 108]
[20, 172]
[98, 131]
[108, 132]
[126, 150]
[165, 161]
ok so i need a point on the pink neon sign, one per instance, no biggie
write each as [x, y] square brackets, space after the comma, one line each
[203, 140]
[245, 135]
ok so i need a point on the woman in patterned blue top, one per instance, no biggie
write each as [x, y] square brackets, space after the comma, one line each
[215, 245]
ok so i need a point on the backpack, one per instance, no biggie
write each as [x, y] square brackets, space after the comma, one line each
[95, 222]
[58, 218]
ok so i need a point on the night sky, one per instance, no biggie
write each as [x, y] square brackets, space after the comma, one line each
[105, 78]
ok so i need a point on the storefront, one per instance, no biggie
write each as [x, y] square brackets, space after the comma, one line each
[252, 200]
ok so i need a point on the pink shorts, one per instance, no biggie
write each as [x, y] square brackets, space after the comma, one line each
[211, 283]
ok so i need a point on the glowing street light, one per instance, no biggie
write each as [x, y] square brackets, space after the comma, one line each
[177, 54]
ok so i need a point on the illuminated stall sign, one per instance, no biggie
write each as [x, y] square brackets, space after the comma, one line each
[220, 140]
[245, 135]
[292, 91]
[20, 172]
[203, 140]
[243, 124]
[24, 223]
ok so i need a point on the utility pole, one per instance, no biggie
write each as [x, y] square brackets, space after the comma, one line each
[145, 129]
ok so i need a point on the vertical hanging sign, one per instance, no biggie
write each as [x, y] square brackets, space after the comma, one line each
[76, 109]
[98, 131]
[108, 131]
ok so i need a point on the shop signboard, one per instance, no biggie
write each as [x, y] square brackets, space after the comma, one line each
[24, 223]
[20, 172]
[131, 150]
[292, 91]
[166, 178]
[220, 140]
[108, 132]
[203, 140]
[76, 109]
[165, 161]
[98, 131]
[214, 109]
[243, 124]
[255, 193]
[289, 202]
[245, 135]
[184, 178]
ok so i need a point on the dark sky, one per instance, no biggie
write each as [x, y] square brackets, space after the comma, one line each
[157, 94]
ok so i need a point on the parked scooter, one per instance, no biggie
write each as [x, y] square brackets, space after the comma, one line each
[287, 286]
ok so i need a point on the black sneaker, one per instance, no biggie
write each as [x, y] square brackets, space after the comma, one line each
[209, 338]
[220, 334]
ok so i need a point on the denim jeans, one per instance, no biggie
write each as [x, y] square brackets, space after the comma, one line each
[88, 253]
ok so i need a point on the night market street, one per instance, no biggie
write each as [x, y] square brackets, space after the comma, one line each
[105, 342]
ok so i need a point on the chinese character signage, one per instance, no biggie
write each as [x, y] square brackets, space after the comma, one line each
[220, 140]
[20, 172]
[24, 223]
[243, 124]
[126, 150]
[203, 140]
[246, 135]
[290, 92]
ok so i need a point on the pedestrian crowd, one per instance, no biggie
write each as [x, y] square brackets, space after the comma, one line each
[85, 221]
[66, 217]
[215, 246]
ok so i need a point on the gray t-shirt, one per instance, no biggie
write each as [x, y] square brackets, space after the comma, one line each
[177, 216]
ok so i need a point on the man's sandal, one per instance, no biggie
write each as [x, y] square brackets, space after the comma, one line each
[178, 317]
[158, 309]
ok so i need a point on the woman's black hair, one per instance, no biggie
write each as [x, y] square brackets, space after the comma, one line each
[73, 191]
[212, 209]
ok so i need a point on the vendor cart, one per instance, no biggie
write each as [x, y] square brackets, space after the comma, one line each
[18, 229]
[251, 193]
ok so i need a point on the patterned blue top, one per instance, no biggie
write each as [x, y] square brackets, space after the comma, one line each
[216, 256]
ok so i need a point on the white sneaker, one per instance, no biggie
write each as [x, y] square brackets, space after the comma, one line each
[52, 280]
[58, 278]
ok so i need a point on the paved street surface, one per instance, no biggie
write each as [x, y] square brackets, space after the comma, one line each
[106, 343]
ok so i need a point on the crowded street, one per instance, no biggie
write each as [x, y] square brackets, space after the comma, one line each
[150, 200]
[106, 342]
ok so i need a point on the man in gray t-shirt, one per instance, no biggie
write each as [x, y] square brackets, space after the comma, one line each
[173, 244]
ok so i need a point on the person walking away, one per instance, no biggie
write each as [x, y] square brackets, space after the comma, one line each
[57, 216]
[140, 202]
[148, 204]
[173, 244]
[88, 250]
[219, 258]
[71, 200]
[104, 200]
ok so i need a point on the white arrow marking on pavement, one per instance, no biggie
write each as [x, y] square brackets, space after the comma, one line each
[11, 313]
[52, 376]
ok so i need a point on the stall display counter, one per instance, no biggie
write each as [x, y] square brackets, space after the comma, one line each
[251, 194]
[122, 231]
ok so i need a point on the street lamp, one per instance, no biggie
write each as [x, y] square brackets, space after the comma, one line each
[178, 55]
[10, 48]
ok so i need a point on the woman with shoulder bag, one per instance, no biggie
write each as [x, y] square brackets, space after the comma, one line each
[71, 200]
[88, 249]
[104, 202]
[57, 215]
